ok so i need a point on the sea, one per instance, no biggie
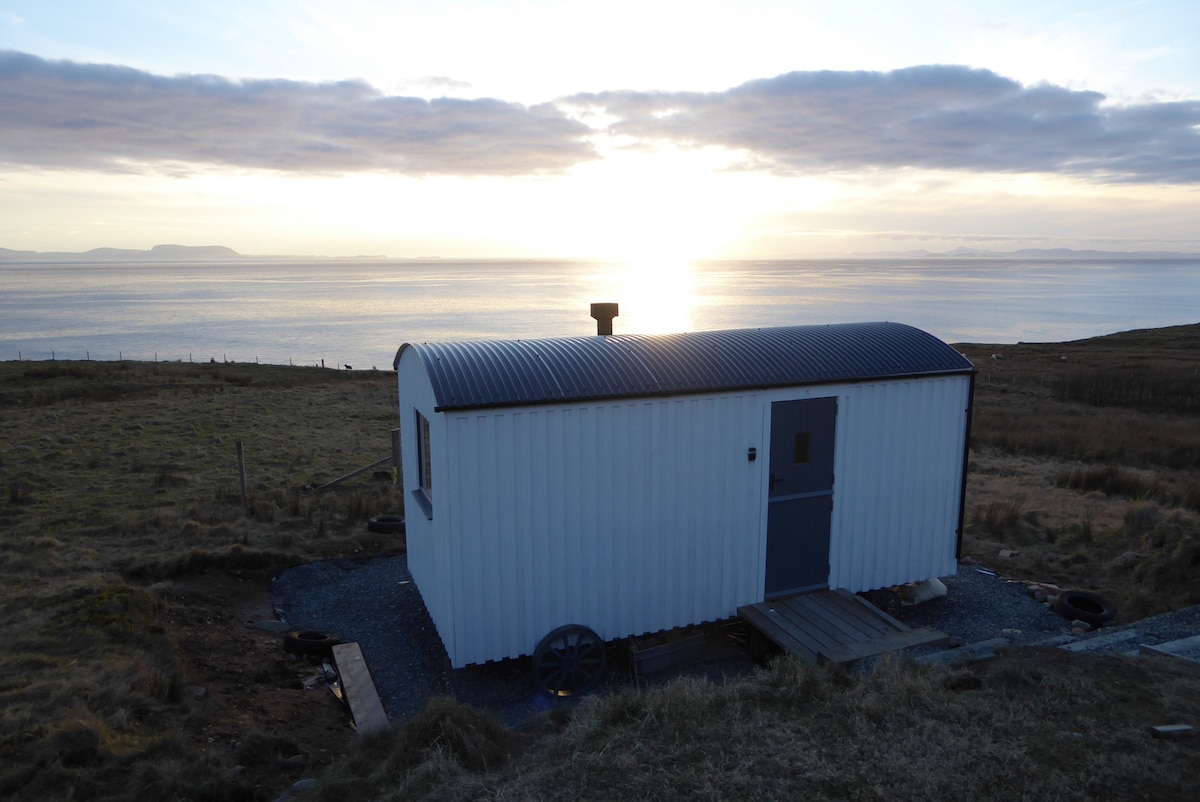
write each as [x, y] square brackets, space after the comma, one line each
[356, 313]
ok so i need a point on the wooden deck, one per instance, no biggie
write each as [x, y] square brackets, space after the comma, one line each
[834, 626]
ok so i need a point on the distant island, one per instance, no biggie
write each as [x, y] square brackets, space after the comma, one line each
[209, 253]
[159, 253]
[1025, 253]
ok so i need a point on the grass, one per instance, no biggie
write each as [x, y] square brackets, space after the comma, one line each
[128, 558]
[1092, 491]
[122, 499]
[1037, 724]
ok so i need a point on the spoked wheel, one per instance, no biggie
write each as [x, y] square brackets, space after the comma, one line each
[568, 661]
[887, 600]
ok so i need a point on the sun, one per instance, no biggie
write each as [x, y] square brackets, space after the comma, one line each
[655, 294]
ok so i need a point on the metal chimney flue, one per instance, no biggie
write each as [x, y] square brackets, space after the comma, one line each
[604, 314]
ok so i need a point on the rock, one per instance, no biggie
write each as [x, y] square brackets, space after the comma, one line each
[918, 592]
[1038, 593]
[1173, 731]
[197, 691]
[298, 787]
[272, 626]
[1127, 561]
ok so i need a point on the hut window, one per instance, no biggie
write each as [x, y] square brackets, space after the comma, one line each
[424, 463]
[802, 448]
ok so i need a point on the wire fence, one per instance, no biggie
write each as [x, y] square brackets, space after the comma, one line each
[87, 355]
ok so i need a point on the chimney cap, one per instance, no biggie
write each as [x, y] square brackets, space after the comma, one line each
[604, 314]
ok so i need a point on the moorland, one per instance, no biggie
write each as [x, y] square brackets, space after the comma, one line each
[133, 567]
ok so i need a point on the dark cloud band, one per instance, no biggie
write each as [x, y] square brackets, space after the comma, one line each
[939, 117]
[58, 114]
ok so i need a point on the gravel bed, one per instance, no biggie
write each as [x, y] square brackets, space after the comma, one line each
[980, 606]
[374, 602]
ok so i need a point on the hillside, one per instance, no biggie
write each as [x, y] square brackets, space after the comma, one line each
[159, 253]
[134, 569]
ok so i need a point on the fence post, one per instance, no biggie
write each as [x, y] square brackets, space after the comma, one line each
[396, 456]
[241, 455]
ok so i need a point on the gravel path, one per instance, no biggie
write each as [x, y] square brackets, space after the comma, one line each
[375, 603]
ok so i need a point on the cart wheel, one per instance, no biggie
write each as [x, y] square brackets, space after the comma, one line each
[887, 600]
[568, 661]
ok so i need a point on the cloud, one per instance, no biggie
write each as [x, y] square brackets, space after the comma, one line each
[932, 117]
[60, 114]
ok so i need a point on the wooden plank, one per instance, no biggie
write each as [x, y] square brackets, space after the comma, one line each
[1173, 731]
[1184, 649]
[359, 689]
[834, 625]
[341, 479]
[764, 622]
[792, 637]
[819, 631]
[856, 620]
[849, 621]
[869, 612]
[901, 640]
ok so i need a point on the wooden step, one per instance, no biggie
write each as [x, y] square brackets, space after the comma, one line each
[834, 626]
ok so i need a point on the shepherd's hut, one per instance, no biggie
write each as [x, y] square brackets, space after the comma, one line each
[571, 491]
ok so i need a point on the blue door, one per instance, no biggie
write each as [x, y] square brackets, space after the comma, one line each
[800, 495]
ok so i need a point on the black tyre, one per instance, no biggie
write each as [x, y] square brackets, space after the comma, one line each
[885, 599]
[1079, 605]
[310, 642]
[568, 661]
[387, 524]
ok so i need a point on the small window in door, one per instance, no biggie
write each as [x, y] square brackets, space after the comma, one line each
[802, 448]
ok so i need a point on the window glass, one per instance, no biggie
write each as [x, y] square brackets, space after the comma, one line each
[802, 448]
[424, 464]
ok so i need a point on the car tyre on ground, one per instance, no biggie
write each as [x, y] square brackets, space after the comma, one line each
[386, 524]
[1079, 605]
[310, 642]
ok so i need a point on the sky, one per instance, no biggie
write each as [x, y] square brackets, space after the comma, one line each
[640, 131]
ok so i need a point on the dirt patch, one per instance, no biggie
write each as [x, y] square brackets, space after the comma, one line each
[244, 694]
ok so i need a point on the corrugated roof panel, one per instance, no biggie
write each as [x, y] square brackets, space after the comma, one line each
[467, 375]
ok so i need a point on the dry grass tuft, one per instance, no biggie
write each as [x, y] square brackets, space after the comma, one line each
[1056, 726]
[439, 746]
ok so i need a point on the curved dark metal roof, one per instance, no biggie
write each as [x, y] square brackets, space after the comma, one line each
[468, 375]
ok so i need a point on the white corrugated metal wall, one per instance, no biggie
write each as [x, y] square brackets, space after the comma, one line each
[898, 468]
[627, 517]
[640, 515]
[429, 559]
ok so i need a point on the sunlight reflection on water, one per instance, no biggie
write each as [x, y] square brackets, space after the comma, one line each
[361, 311]
[653, 298]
